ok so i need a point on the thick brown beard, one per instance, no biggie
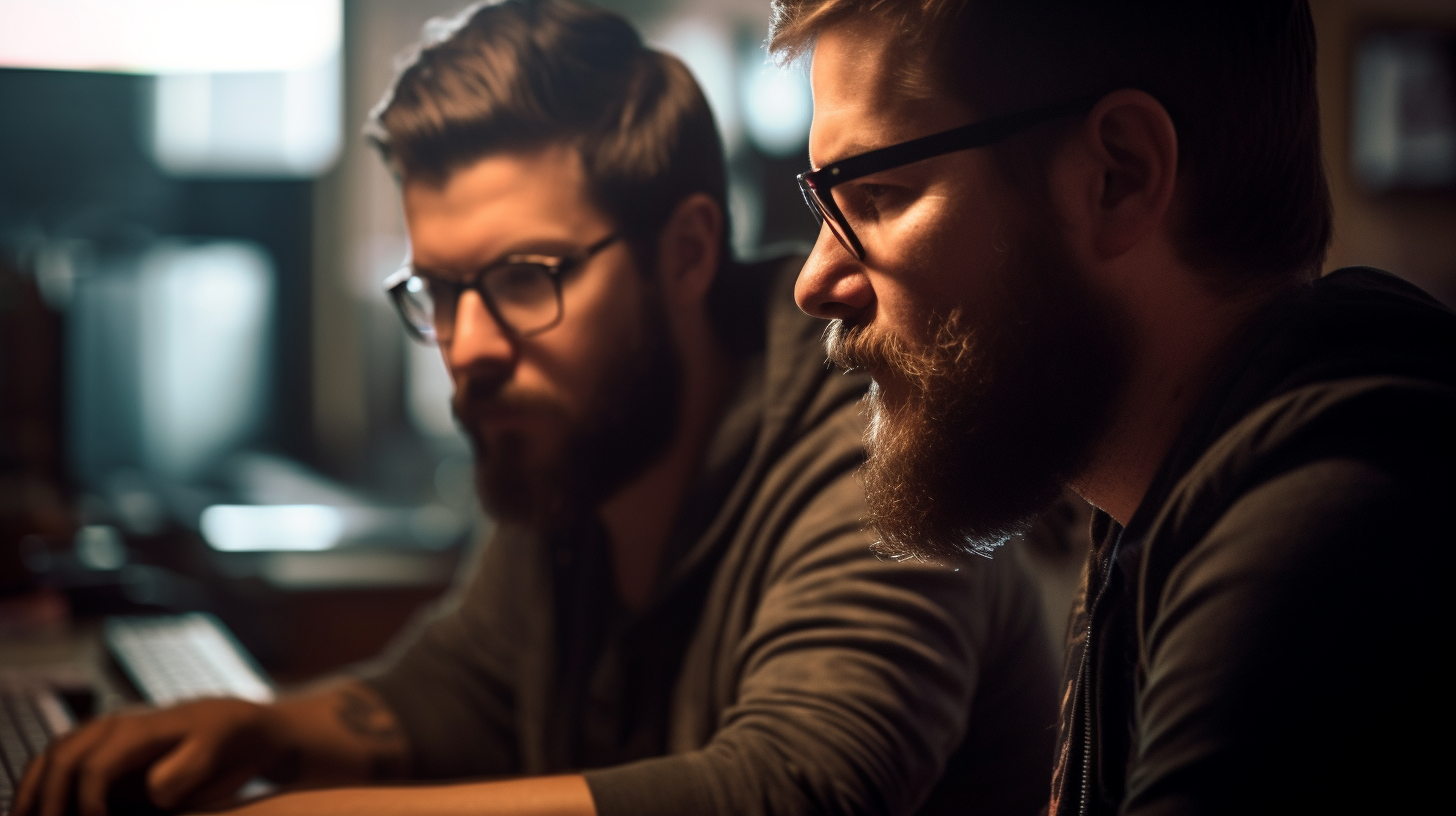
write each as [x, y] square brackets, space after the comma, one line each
[990, 419]
[630, 422]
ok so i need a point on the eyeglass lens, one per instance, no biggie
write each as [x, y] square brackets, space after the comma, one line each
[825, 215]
[523, 296]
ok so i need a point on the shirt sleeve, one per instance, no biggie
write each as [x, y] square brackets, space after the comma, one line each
[855, 682]
[1292, 652]
[451, 679]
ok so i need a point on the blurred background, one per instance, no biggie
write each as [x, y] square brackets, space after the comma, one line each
[206, 402]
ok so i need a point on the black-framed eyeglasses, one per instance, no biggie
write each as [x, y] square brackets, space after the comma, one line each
[818, 185]
[522, 292]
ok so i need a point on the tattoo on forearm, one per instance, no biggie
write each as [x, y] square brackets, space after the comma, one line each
[366, 717]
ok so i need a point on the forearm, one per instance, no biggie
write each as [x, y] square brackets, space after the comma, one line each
[340, 733]
[536, 796]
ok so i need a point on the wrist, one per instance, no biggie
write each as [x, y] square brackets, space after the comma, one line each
[339, 734]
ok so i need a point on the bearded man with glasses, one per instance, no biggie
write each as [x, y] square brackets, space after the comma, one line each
[1079, 243]
[678, 611]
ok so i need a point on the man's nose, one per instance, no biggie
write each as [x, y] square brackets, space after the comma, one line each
[478, 340]
[833, 283]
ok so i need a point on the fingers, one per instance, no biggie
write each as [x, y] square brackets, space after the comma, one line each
[24, 802]
[212, 763]
[189, 745]
[133, 746]
[46, 786]
[180, 775]
[87, 763]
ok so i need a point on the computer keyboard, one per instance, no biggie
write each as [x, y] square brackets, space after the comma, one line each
[169, 658]
[173, 658]
[31, 715]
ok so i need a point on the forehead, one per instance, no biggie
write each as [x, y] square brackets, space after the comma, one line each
[869, 93]
[499, 204]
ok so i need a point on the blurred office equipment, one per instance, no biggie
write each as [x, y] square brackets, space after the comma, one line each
[31, 715]
[168, 659]
[1404, 105]
[32, 501]
[167, 360]
[244, 87]
[172, 658]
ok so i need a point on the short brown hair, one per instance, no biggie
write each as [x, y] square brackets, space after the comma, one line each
[1236, 76]
[522, 74]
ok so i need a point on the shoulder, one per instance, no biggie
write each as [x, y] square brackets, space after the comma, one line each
[1328, 520]
[1398, 426]
[1308, 476]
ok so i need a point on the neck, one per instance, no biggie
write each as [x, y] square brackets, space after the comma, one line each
[1181, 332]
[639, 518]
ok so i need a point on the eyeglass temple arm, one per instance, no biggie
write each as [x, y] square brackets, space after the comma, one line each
[600, 245]
[977, 134]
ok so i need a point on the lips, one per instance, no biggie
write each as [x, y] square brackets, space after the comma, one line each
[497, 413]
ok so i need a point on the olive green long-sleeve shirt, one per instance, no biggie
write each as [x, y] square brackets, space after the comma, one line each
[781, 668]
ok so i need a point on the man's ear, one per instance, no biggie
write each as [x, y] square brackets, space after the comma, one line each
[688, 249]
[1124, 173]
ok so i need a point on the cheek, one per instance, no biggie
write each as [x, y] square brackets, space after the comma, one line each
[953, 251]
[574, 360]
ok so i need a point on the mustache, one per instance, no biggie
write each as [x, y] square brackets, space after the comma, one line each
[855, 347]
[476, 395]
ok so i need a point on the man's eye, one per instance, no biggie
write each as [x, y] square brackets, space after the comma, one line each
[889, 199]
[870, 202]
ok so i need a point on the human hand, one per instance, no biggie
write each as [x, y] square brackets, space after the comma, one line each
[190, 755]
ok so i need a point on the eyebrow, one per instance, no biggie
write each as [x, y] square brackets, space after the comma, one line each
[847, 151]
[551, 247]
